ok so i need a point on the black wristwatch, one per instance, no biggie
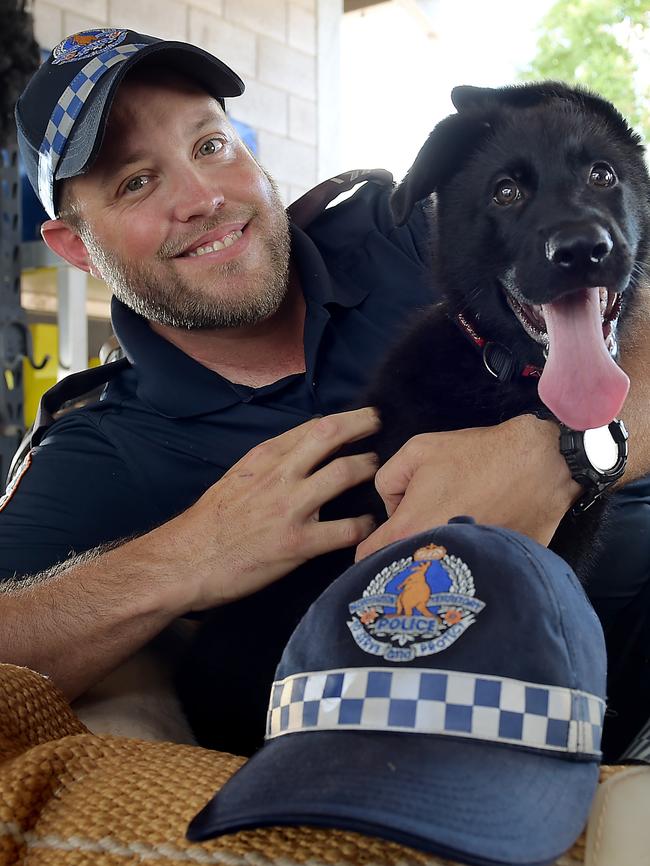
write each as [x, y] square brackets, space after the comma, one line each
[596, 458]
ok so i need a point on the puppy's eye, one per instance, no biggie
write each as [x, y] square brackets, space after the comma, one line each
[507, 192]
[602, 174]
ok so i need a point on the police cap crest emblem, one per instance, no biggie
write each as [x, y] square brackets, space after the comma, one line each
[415, 606]
[87, 44]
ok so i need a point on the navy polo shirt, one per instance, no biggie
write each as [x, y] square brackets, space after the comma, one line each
[167, 428]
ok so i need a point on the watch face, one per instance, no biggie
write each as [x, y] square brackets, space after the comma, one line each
[601, 450]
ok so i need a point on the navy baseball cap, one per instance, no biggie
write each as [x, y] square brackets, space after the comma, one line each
[62, 113]
[446, 693]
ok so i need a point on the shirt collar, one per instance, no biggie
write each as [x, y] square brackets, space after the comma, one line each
[177, 386]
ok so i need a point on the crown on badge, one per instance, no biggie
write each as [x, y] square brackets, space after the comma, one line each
[430, 551]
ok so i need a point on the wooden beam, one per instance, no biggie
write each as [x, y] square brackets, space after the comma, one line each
[354, 5]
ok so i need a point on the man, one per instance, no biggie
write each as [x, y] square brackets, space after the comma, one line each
[195, 485]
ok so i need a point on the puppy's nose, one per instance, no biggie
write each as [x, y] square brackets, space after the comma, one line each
[579, 245]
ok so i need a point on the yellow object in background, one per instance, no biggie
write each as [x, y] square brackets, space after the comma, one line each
[45, 341]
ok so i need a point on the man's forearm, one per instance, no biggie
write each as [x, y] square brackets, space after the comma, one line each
[78, 622]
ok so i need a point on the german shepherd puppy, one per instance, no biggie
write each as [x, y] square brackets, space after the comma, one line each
[540, 227]
[540, 236]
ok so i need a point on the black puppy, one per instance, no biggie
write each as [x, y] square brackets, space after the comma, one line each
[540, 228]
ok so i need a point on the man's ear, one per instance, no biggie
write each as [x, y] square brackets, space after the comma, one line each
[65, 242]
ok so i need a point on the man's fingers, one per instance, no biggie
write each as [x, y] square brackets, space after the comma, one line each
[268, 503]
[337, 477]
[339, 534]
[386, 534]
[294, 454]
[323, 437]
[395, 475]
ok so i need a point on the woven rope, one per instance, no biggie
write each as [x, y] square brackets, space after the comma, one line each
[71, 798]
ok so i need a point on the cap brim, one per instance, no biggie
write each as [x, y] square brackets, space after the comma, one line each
[87, 134]
[479, 802]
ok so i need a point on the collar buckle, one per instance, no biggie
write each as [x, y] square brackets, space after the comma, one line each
[499, 361]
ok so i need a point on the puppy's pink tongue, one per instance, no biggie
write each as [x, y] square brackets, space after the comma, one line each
[581, 384]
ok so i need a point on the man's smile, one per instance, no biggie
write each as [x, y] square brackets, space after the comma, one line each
[219, 238]
[226, 241]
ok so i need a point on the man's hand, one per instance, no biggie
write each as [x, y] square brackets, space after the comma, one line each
[510, 475]
[260, 520]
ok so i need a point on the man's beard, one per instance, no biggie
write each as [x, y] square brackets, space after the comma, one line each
[162, 295]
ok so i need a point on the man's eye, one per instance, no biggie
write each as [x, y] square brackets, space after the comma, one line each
[137, 183]
[212, 145]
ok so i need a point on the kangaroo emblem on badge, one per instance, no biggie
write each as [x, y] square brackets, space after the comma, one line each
[416, 606]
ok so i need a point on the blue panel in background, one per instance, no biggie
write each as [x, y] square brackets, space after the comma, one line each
[246, 133]
[33, 211]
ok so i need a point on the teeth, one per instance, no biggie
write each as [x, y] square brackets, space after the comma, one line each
[226, 241]
[531, 317]
[613, 307]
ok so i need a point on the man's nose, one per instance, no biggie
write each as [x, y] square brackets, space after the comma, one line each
[196, 194]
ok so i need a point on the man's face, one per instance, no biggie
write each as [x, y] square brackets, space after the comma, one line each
[177, 217]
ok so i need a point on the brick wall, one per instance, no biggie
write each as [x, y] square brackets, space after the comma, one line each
[285, 50]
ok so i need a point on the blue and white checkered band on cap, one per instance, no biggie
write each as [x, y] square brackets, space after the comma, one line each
[440, 702]
[65, 114]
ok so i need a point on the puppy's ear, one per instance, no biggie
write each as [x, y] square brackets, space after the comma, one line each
[443, 154]
[465, 96]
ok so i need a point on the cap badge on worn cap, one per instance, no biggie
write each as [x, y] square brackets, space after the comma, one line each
[87, 44]
[415, 606]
